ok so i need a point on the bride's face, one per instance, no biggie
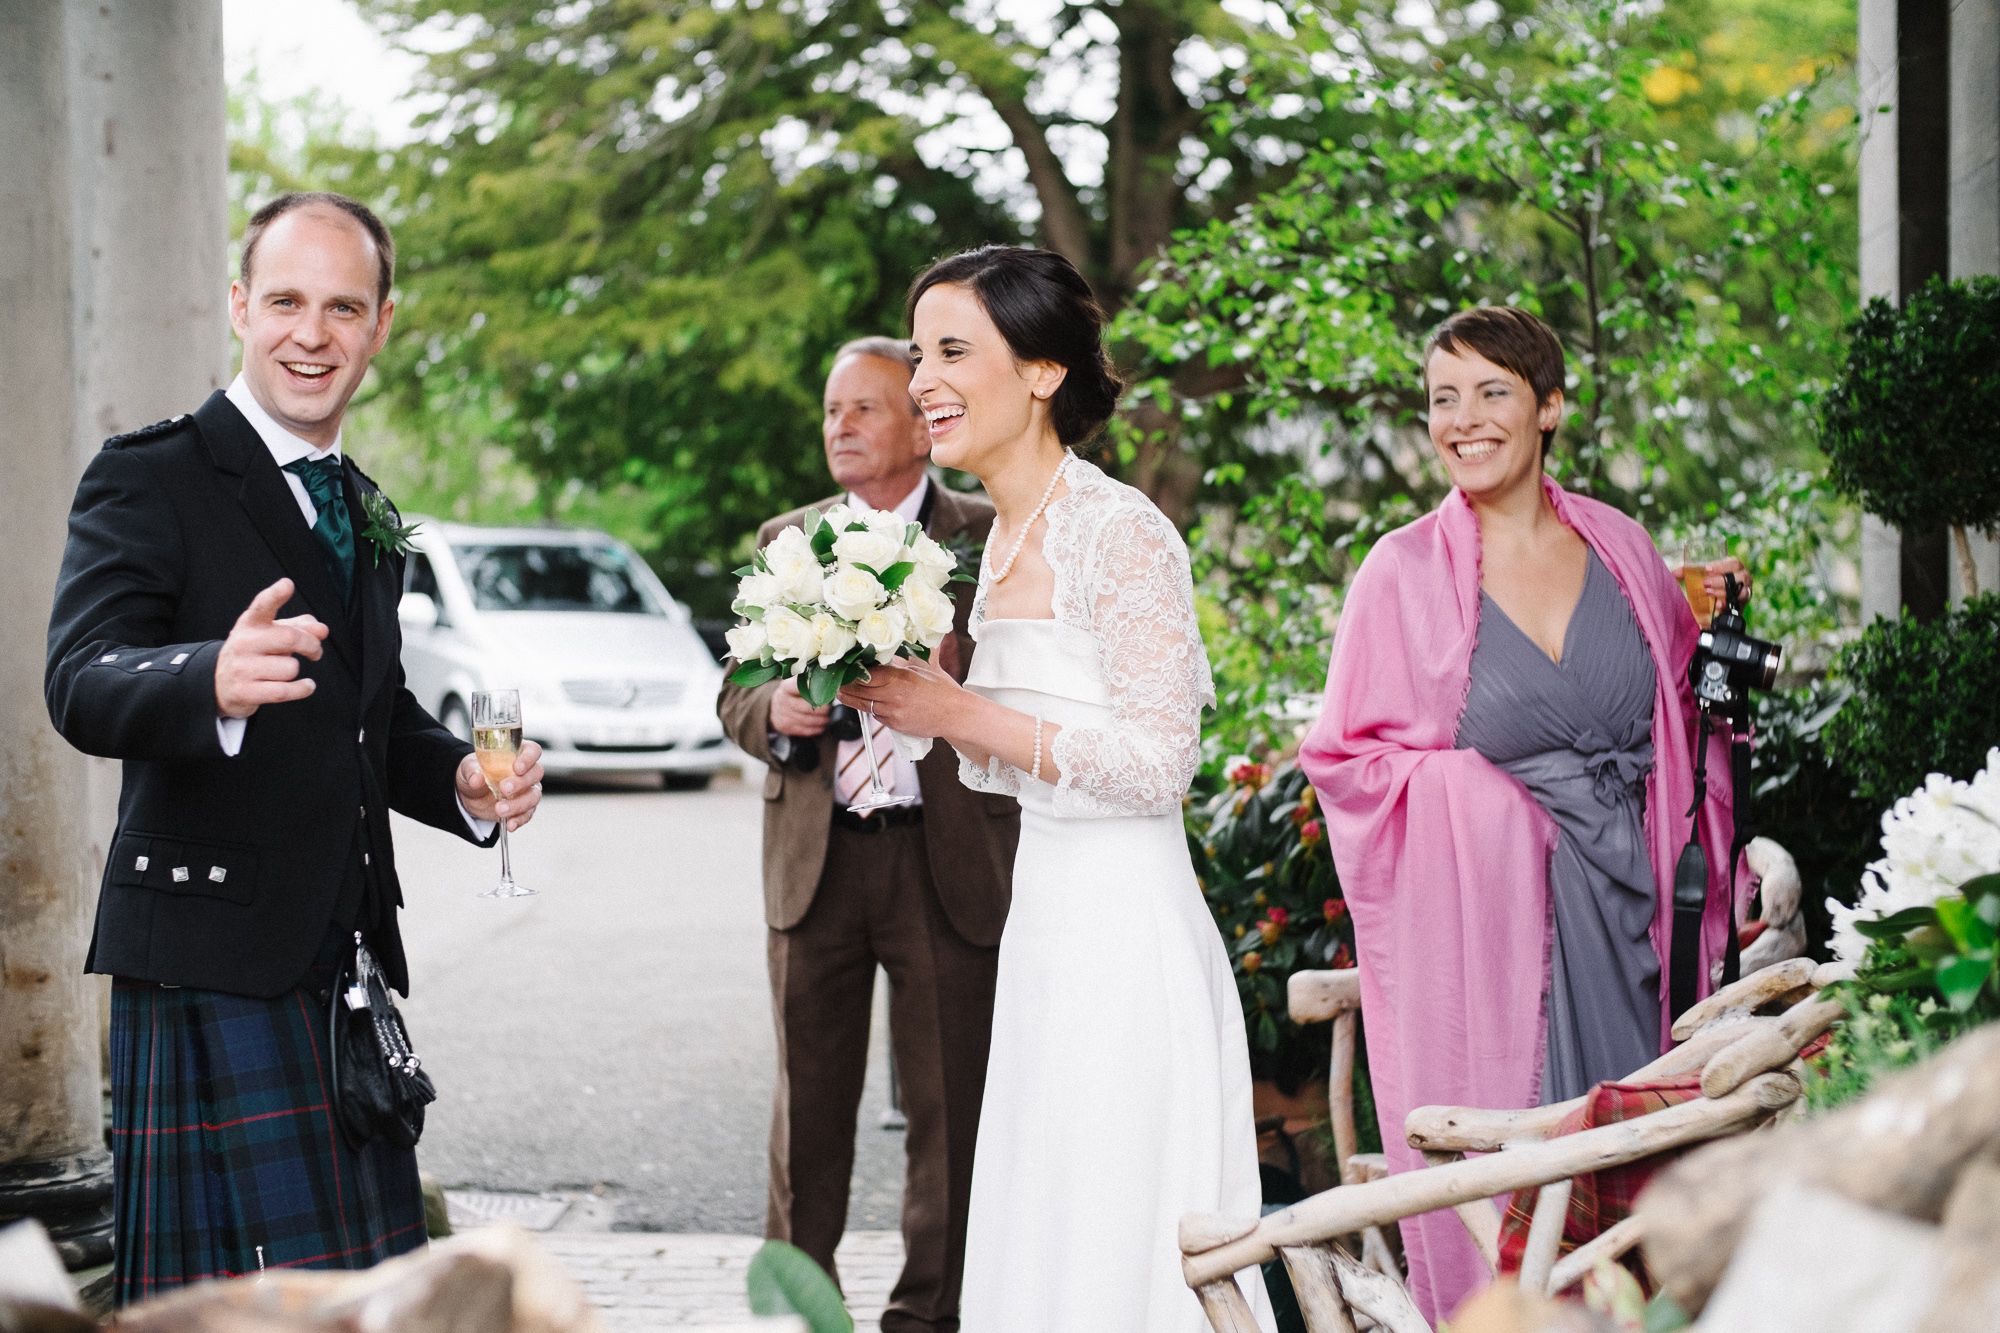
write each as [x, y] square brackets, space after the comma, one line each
[977, 400]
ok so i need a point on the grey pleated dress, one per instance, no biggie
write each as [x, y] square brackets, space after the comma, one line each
[1578, 734]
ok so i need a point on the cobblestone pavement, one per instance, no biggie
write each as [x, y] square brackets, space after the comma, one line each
[647, 1280]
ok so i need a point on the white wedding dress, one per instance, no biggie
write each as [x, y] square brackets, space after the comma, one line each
[1118, 1089]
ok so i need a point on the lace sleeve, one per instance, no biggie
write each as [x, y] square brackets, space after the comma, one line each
[996, 777]
[1139, 600]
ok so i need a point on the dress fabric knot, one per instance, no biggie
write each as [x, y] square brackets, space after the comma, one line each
[1616, 767]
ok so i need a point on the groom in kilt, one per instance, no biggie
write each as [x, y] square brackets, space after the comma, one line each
[225, 624]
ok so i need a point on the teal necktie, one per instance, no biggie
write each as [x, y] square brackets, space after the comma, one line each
[333, 527]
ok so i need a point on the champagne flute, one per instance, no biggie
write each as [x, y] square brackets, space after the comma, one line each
[877, 796]
[496, 739]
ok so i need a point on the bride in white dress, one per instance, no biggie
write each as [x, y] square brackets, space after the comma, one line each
[1118, 1088]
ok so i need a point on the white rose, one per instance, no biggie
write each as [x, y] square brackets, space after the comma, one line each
[867, 548]
[760, 590]
[792, 562]
[851, 592]
[933, 559]
[834, 637]
[791, 635]
[838, 516]
[881, 631]
[747, 642]
[930, 612]
[884, 523]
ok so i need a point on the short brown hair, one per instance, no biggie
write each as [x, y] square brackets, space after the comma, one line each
[385, 248]
[1511, 339]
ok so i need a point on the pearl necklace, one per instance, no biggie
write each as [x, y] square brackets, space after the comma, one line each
[1007, 565]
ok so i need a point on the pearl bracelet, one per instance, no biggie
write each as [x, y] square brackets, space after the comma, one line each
[1035, 773]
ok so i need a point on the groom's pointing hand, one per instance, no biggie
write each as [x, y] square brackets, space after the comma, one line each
[259, 661]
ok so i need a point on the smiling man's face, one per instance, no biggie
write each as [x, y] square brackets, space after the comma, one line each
[309, 319]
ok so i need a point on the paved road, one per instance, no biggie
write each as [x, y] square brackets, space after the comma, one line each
[612, 1034]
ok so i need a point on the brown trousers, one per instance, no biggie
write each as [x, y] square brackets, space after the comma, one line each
[876, 904]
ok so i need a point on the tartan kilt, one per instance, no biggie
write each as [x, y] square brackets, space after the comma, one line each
[223, 1139]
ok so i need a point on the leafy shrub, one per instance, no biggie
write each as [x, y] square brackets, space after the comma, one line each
[1260, 850]
[1908, 427]
[1801, 799]
[1926, 699]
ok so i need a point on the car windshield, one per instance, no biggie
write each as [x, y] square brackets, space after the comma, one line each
[520, 577]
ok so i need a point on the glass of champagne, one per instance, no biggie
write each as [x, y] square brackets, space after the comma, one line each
[1694, 576]
[496, 739]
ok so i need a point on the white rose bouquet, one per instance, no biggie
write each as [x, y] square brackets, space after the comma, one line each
[851, 589]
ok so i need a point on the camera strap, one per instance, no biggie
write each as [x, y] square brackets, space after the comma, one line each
[1690, 891]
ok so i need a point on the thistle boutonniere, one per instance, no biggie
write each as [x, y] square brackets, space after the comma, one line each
[968, 551]
[386, 531]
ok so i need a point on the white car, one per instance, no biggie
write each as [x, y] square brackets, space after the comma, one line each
[612, 675]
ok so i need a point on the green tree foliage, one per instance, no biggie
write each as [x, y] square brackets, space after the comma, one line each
[1908, 426]
[633, 233]
[1676, 210]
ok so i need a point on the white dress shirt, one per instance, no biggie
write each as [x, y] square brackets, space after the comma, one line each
[286, 448]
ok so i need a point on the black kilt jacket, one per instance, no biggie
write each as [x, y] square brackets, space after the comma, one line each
[226, 871]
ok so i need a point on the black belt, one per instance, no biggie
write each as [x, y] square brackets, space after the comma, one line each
[889, 816]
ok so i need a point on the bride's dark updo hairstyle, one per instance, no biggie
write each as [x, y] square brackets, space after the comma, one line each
[1046, 312]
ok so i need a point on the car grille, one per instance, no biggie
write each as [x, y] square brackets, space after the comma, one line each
[624, 693]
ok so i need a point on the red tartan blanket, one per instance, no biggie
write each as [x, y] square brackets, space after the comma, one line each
[1601, 1199]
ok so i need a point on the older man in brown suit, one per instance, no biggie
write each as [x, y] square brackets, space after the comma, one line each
[920, 889]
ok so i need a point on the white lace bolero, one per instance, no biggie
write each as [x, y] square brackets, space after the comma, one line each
[1121, 581]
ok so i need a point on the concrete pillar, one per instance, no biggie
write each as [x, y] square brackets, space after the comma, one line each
[1903, 53]
[52, 1159]
[148, 133]
[1975, 184]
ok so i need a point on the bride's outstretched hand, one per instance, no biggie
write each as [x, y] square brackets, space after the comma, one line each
[914, 697]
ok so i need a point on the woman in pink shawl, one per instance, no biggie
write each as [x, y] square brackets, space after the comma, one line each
[1505, 761]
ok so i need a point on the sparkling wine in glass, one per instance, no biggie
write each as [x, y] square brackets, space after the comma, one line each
[496, 740]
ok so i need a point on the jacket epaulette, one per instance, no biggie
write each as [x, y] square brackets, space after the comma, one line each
[154, 431]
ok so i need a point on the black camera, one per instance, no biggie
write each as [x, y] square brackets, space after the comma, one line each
[1728, 662]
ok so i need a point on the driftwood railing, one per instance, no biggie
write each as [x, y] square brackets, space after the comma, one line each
[1746, 1061]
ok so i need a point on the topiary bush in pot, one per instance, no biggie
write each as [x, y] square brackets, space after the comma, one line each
[1908, 427]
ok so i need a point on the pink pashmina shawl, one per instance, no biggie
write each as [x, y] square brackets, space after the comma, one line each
[1443, 857]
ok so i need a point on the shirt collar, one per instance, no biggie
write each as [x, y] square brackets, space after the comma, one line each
[908, 507]
[285, 447]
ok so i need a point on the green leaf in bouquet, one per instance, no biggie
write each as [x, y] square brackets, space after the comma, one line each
[892, 577]
[820, 684]
[1984, 890]
[745, 572]
[960, 576]
[1961, 980]
[1898, 923]
[1961, 920]
[823, 538]
[911, 533]
[813, 521]
[755, 673]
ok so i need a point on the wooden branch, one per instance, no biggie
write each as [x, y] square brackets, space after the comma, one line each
[1382, 1298]
[1222, 1301]
[1377, 1257]
[1476, 1129]
[1349, 1208]
[1319, 994]
[1615, 1243]
[1364, 1167]
[1317, 1287]
[1545, 1235]
[1205, 1231]
[1480, 1216]
[1065, 228]
[1340, 1092]
[1769, 1048]
[1744, 997]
